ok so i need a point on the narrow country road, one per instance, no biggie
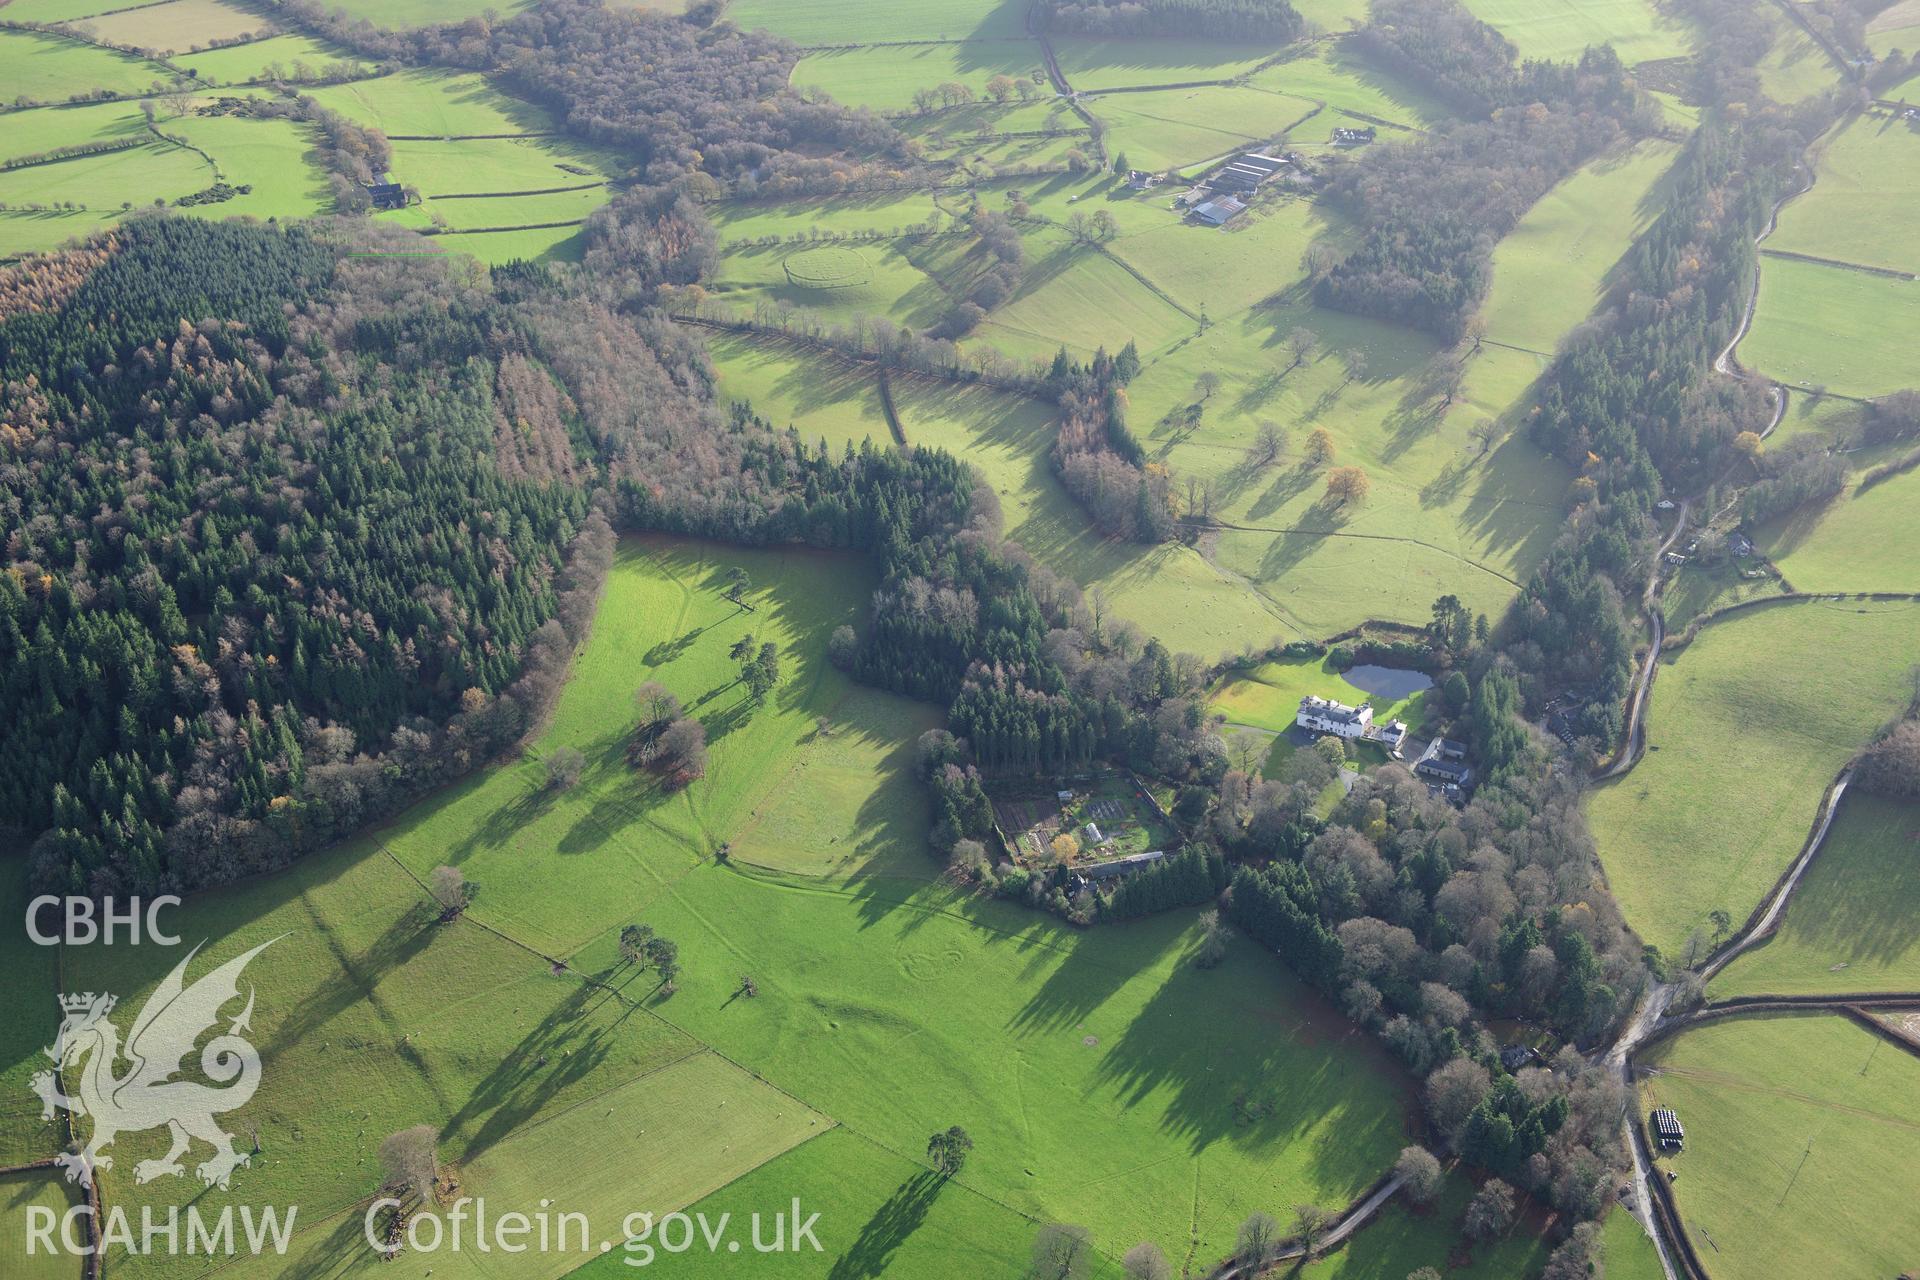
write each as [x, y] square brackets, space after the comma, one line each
[1633, 743]
[1356, 1217]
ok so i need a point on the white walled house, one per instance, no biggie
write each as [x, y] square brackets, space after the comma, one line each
[1322, 715]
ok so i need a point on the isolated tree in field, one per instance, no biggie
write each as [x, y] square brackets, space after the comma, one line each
[763, 672]
[1320, 448]
[1449, 375]
[1356, 364]
[1268, 441]
[1213, 940]
[564, 766]
[410, 1160]
[1027, 89]
[947, 1150]
[656, 703]
[1490, 1211]
[1061, 1252]
[1421, 1173]
[1348, 484]
[450, 889]
[1722, 923]
[1484, 433]
[1000, 88]
[741, 649]
[737, 583]
[1206, 384]
[1301, 344]
[1310, 1226]
[1145, 1261]
[633, 943]
[1105, 227]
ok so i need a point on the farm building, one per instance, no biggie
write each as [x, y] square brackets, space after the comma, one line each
[1354, 137]
[1323, 715]
[1141, 180]
[1218, 212]
[1667, 1130]
[1116, 867]
[1245, 172]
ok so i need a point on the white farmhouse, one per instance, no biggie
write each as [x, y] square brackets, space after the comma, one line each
[1322, 715]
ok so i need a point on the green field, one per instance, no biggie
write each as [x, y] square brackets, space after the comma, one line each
[425, 13]
[1796, 67]
[48, 128]
[43, 68]
[1559, 29]
[835, 401]
[1849, 926]
[1630, 1252]
[1860, 541]
[286, 53]
[433, 104]
[1800, 1152]
[885, 77]
[871, 279]
[1855, 211]
[489, 165]
[101, 183]
[886, 212]
[880, 1214]
[43, 1188]
[1745, 728]
[1330, 73]
[1091, 64]
[1084, 300]
[1895, 27]
[817, 22]
[179, 25]
[559, 244]
[1553, 270]
[1172, 128]
[1819, 325]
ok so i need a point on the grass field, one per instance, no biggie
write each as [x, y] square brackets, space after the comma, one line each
[1630, 1252]
[1330, 73]
[1796, 67]
[1854, 212]
[1800, 1152]
[560, 244]
[835, 401]
[19, 1192]
[1559, 29]
[1084, 300]
[101, 183]
[1746, 727]
[271, 156]
[43, 68]
[880, 1214]
[1552, 271]
[811, 22]
[178, 26]
[1849, 926]
[872, 279]
[253, 61]
[1895, 27]
[48, 128]
[425, 13]
[1091, 64]
[433, 104]
[33, 1018]
[1172, 128]
[885, 77]
[888, 212]
[1819, 325]
[1860, 541]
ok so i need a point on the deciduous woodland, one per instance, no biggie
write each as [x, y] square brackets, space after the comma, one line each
[306, 522]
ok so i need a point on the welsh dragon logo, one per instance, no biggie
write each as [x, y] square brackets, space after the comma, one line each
[147, 1092]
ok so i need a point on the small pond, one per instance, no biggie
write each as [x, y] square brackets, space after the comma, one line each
[1392, 683]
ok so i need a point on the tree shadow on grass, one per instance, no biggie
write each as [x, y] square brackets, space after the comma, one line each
[902, 1215]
